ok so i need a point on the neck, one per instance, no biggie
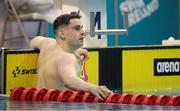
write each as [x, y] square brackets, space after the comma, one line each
[65, 46]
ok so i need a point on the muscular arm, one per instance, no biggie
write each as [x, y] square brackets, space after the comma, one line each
[67, 73]
[39, 41]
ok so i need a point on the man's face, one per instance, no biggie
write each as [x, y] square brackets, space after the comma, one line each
[74, 33]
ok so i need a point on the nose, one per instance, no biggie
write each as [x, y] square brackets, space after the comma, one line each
[82, 33]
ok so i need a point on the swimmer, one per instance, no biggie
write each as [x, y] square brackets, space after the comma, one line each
[59, 63]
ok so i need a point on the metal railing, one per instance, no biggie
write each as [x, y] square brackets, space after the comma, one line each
[94, 32]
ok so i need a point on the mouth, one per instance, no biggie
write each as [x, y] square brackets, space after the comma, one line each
[81, 39]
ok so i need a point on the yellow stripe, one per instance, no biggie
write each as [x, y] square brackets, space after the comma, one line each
[92, 67]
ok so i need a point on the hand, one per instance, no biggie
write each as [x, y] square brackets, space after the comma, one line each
[82, 54]
[101, 92]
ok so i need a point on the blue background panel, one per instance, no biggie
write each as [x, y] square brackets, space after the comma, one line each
[151, 30]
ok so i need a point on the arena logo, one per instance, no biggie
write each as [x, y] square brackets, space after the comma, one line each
[167, 66]
[17, 72]
[138, 9]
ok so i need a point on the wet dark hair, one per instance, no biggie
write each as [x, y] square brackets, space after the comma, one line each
[64, 19]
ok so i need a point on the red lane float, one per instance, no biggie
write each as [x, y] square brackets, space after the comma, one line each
[16, 93]
[42, 94]
[51, 95]
[64, 95]
[137, 99]
[39, 94]
[27, 94]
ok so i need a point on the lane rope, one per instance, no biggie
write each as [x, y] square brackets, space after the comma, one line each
[55, 95]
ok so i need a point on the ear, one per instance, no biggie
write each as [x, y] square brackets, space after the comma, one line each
[60, 34]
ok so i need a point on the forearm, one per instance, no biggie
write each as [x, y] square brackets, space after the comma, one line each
[78, 84]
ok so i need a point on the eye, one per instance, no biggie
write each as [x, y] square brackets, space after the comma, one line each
[77, 27]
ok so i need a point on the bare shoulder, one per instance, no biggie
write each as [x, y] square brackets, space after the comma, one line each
[40, 41]
[42, 37]
[46, 40]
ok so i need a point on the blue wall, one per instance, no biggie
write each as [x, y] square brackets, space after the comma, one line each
[152, 29]
[51, 34]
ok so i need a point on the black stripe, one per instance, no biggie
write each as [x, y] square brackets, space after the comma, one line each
[110, 69]
[5, 61]
[149, 47]
[25, 51]
[1, 79]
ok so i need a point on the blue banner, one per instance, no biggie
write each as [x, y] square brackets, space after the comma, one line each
[150, 21]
